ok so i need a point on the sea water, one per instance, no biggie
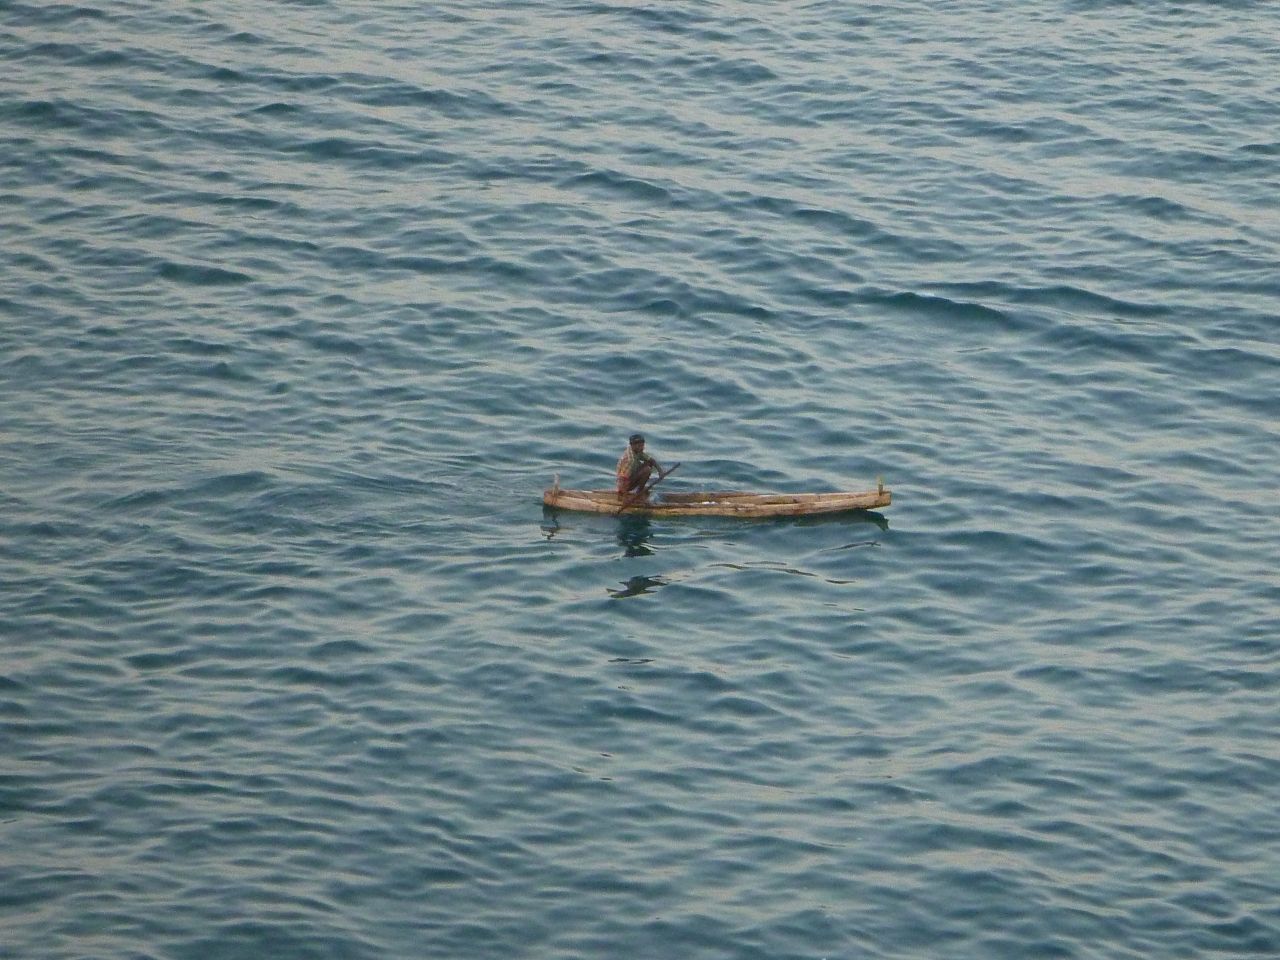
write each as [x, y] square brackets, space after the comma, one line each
[303, 304]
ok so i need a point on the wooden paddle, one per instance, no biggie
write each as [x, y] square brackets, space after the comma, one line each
[640, 494]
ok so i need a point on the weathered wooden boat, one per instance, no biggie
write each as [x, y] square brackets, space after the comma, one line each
[719, 503]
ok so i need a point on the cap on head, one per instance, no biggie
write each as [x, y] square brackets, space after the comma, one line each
[636, 437]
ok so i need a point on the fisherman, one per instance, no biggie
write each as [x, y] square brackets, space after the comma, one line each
[635, 467]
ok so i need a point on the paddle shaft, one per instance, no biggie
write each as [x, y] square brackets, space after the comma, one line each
[640, 494]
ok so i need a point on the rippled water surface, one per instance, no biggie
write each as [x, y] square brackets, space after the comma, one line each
[302, 305]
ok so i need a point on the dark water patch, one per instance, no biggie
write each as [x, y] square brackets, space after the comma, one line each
[1178, 165]
[425, 265]
[453, 104]
[666, 21]
[197, 347]
[57, 52]
[26, 261]
[367, 259]
[608, 182]
[249, 481]
[831, 221]
[342, 649]
[335, 345]
[224, 370]
[96, 122]
[246, 38]
[1262, 149]
[362, 153]
[200, 276]
[1160, 208]
[137, 500]
[311, 678]
[737, 73]
[55, 14]
[161, 662]
[278, 109]
[1071, 299]
[1112, 341]
[945, 308]
[255, 204]
[150, 226]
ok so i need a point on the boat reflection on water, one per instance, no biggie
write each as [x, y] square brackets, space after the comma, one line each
[634, 528]
[633, 532]
[637, 586]
[633, 536]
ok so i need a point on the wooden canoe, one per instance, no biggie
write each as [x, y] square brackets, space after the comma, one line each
[722, 503]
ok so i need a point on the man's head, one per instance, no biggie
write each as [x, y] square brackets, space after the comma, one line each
[637, 441]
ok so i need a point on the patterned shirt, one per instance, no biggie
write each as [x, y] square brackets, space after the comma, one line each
[630, 462]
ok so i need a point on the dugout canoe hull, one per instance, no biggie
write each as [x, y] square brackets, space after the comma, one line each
[718, 503]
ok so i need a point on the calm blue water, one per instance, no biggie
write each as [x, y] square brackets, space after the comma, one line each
[302, 305]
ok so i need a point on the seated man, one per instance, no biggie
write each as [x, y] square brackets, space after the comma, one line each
[635, 467]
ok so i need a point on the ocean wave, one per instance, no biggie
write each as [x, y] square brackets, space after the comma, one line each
[303, 313]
